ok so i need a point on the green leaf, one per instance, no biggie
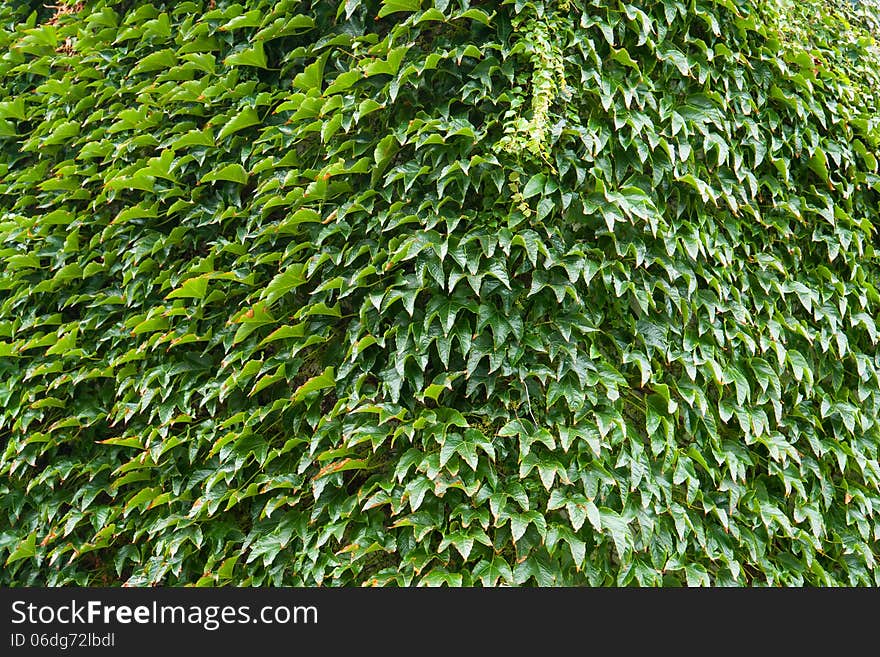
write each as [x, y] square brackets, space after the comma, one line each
[244, 119]
[393, 6]
[254, 56]
[65, 343]
[385, 150]
[192, 288]
[139, 498]
[321, 308]
[13, 109]
[342, 82]
[24, 550]
[284, 282]
[141, 182]
[389, 66]
[341, 466]
[477, 15]
[624, 58]
[301, 216]
[534, 186]
[324, 380]
[312, 75]
[161, 60]
[252, 18]
[697, 575]
[203, 137]
[61, 133]
[416, 491]
[227, 568]
[743, 390]
[818, 163]
[284, 332]
[230, 172]
[490, 573]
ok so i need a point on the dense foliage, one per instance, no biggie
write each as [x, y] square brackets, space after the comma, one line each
[411, 292]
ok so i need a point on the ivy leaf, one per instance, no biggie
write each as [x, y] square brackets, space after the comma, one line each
[244, 119]
[491, 572]
[534, 186]
[324, 380]
[25, 549]
[230, 172]
[311, 76]
[818, 163]
[392, 6]
[161, 60]
[254, 56]
[192, 288]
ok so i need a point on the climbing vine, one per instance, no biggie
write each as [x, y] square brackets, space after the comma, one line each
[426, 292]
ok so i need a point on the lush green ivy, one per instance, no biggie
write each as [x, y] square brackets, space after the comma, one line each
[408, 292]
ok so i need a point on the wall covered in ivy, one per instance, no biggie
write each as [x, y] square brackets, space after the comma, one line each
[402, 292]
